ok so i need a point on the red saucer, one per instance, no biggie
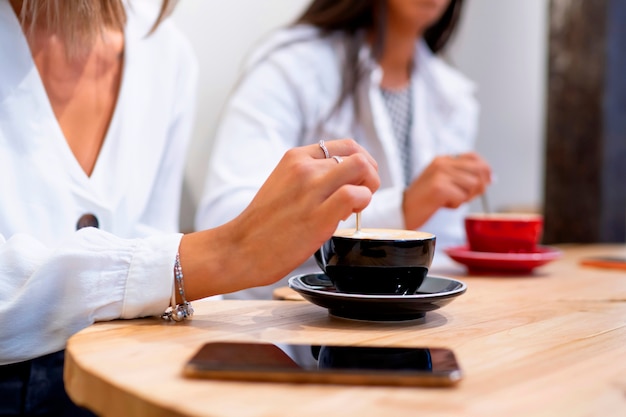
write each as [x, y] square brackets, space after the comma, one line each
[491, 262]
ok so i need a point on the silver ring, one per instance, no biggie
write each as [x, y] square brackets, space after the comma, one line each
[324, 149]
[338, 159]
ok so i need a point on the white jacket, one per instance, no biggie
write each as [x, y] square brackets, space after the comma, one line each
[54, 280]
[287, 90]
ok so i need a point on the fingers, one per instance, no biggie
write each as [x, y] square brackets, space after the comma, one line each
[473, 164]
[345, 201]
[469, 184]
[448, 181]
[356, 170]
[311, 179]
[350, 179]
[344, 162]
[467, 173]
[340, 147]
[459, 194]
[354, 167]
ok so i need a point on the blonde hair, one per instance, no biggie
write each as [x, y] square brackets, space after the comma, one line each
[79, 22]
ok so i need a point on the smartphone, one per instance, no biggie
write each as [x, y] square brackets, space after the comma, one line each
[300, 363]
[611, 262]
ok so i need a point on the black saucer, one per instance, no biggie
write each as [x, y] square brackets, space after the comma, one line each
[435, 292]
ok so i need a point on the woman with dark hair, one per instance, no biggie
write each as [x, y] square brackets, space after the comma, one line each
[96, 108]
[370, 70]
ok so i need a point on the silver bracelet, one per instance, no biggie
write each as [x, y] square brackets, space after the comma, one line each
[184, 310]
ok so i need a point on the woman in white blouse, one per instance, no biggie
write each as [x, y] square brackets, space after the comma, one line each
[96, 106]
[367, 69]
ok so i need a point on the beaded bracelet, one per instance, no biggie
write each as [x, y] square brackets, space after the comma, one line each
[184, 310]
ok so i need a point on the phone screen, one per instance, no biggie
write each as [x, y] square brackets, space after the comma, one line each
[359, 365]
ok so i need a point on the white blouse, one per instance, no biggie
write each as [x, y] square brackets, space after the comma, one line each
[283, 101]
[55, 280]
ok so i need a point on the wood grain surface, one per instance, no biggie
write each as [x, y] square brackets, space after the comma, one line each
[548, 344]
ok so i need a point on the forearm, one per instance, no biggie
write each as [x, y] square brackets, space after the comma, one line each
[222, 260]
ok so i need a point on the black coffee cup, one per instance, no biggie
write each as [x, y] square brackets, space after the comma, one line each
[377, 261]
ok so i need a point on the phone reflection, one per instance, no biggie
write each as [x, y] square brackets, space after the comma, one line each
[344, 357]
[360, 357]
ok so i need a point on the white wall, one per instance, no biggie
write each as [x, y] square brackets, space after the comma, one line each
[501, 45]
[222, 33]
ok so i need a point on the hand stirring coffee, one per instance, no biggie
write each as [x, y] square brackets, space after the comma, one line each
[340, 160]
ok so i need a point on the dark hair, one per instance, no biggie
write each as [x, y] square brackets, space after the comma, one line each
[353, 16]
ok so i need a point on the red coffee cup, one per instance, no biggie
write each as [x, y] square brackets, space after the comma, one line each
[503, 232]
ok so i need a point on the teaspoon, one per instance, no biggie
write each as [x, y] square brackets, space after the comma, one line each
[485, 203]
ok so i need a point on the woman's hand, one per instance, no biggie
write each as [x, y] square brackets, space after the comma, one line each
[448, 181]
[298, 207]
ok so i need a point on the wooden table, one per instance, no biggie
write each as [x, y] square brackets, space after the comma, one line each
[550, 344]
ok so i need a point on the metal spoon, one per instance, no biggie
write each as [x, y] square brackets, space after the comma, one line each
[485, 203]
[483, 197]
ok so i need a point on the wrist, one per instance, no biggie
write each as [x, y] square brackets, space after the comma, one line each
[179, 309]
[222, 260]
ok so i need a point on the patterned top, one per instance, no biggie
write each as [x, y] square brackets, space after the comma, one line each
[400, 107]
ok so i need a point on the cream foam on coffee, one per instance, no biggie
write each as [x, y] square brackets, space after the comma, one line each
[383, 234]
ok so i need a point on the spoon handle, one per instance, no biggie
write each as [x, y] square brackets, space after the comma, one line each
[485, 203]
[358, 222]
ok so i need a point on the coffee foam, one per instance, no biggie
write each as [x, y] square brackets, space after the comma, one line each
[383, 234]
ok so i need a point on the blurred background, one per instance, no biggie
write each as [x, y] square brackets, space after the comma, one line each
[501, 45]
